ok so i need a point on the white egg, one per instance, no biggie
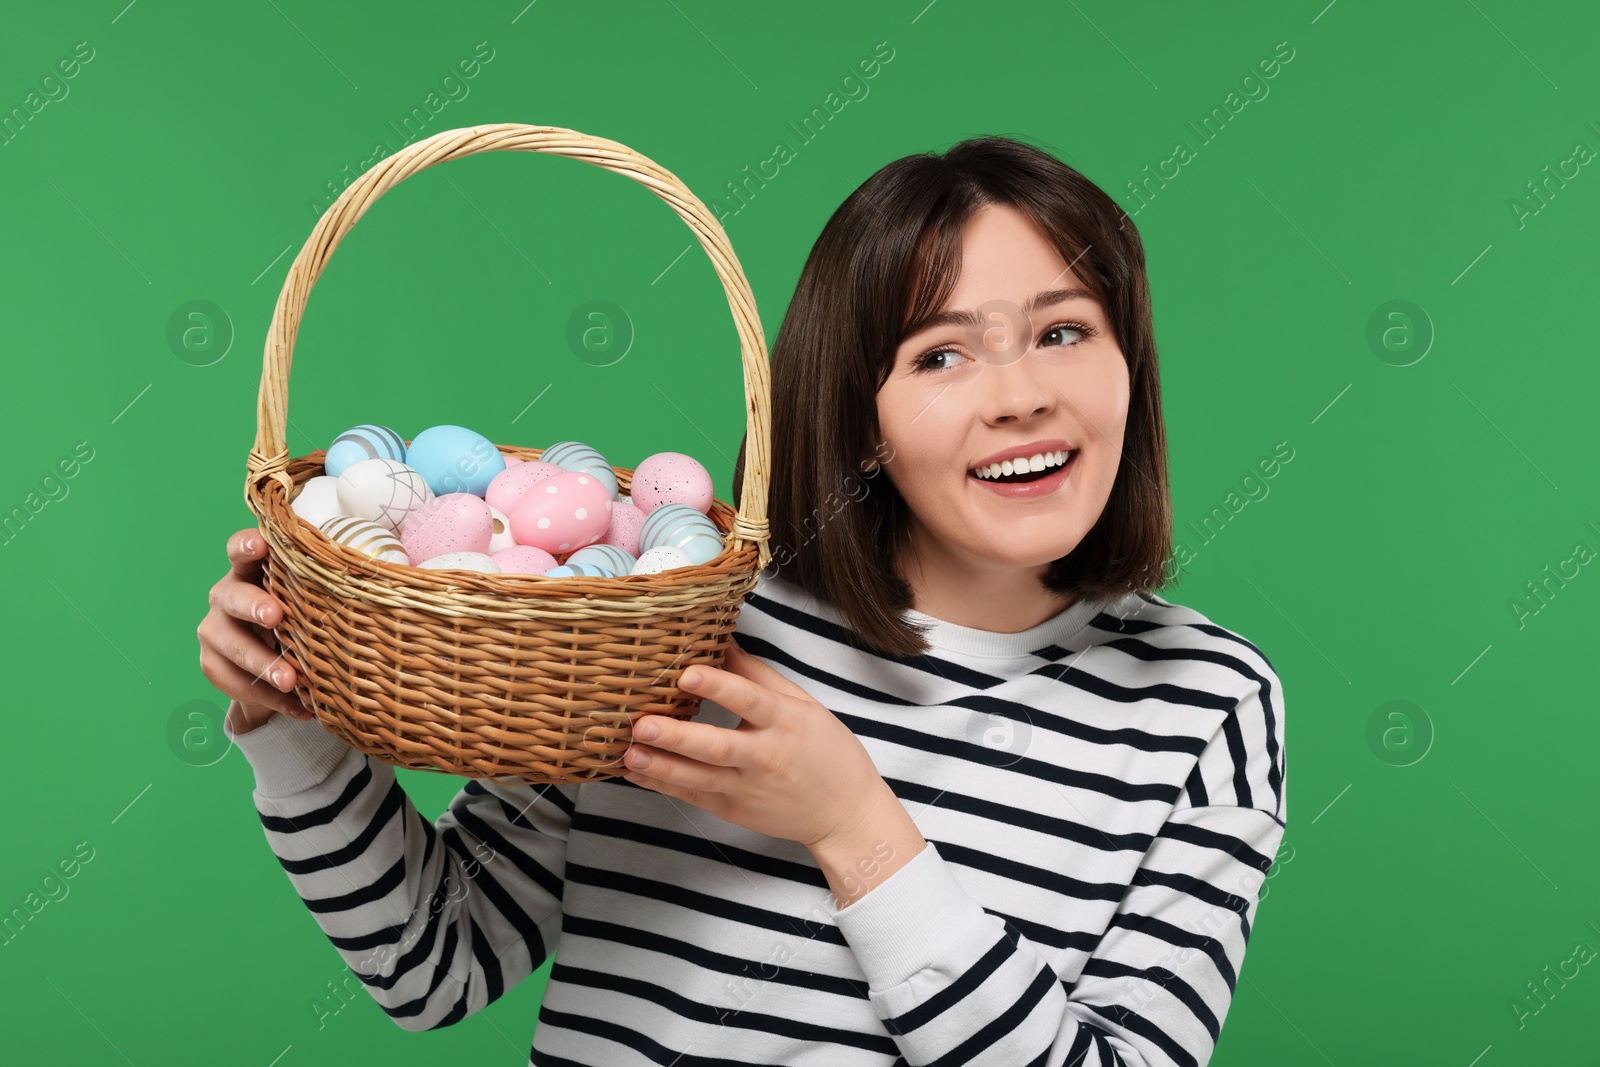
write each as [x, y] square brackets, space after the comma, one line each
[366, 537]
[318, 500]
[383, 490]
[500, 535]
[461, 561]
[664, 558]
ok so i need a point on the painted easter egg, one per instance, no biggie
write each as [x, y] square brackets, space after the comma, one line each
[671, 478]
[383, 490]
[664, 558]
[462, 561]
[523, 559]
[367, 441]
[682, 527]
[455, 459]
[624, 498]
[507, 487]
[455, 522]
[499, 531]
[624, 529]
[609, 558]
[577, 456]
[366, 537]
[318, 500]
[567, 511]
[575, 570]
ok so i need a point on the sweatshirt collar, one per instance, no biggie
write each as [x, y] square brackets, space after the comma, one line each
[991, 644]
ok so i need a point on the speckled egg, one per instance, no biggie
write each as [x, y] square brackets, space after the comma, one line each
[671, 478]
[500, 537]
[367, 441]
[462, 561]
[577, 456]
[664, 558]
[624, 529]
[366, 537]
[507, 487]
[455, 459]
[455, 522]
[683, 527]
[524, 559]
[609, 558]
[561, 513]
[318, 500]
[383, 490]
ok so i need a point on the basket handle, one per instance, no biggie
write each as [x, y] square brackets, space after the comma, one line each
[269, 459]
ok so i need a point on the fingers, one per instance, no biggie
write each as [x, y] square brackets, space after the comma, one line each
[235, 643]
[746, 698]
[698, 741]
[246, 689]
[243, 599]
[245, 552]
[741, 662]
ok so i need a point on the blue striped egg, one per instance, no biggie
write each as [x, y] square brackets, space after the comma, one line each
[574, 570]
[577, 456]
[682, 527]
[367, 441]
[609, 558]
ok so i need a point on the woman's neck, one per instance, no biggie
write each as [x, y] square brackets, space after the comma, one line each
[977, 593]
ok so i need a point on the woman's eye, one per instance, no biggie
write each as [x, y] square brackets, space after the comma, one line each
[1064, 328]
[930, 360]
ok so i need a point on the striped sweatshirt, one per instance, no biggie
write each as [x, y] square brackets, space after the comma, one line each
[1101, 795]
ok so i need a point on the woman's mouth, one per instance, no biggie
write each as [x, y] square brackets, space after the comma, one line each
[1023, 481]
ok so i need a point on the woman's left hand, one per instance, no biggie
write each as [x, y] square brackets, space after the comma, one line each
[790, 769]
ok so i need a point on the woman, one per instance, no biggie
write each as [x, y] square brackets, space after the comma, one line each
[967, 792]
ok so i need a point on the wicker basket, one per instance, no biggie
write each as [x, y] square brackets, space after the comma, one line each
[504, 677]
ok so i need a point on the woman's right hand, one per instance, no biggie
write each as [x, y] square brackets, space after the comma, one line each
[238, 650]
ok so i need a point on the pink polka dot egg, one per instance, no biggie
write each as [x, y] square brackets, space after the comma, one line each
[562, 513]
[507, 487]
[671, 478]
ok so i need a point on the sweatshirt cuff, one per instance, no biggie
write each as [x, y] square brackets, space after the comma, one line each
[909, 922]
[288, 755]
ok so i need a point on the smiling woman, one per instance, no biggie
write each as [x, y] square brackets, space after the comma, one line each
[965, 791]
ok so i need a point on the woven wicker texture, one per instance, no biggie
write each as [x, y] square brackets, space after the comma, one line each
[514, 678]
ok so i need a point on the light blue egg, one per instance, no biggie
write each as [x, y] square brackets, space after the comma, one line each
[367, 441]
[454, 459]
[609, 558]
[577, 456]
[669, 524]
[574, 570]
[701, 548]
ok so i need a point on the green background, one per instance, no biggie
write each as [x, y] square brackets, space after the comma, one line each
[1435, 864]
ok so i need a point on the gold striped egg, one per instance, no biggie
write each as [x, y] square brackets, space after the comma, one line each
[366, 537]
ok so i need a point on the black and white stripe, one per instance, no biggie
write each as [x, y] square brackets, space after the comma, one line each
[1089, 890]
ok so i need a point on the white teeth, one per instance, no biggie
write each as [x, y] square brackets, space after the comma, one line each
[1037, 462]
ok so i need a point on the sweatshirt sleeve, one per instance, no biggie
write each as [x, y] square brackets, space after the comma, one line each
[958, 985]
[437, 919]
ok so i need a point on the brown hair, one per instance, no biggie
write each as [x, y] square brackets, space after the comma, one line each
[884, 263]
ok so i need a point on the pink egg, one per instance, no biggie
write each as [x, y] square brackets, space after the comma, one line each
[523, 559]
[671, 478]
[624, 529]
[513, 459]
[562, 513]
[454, 522]
[507, 487]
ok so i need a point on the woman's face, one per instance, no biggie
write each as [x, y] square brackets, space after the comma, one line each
[1024, 367]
